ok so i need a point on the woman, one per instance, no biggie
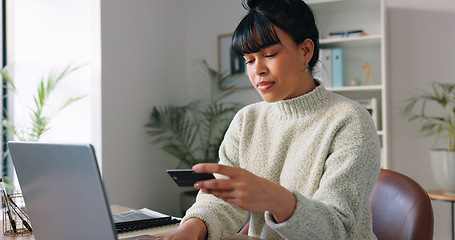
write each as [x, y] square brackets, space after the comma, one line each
[304, 161]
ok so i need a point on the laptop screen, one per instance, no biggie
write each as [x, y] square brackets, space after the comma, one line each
[63, 191]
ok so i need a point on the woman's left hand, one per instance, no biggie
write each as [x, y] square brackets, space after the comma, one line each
[247, 191]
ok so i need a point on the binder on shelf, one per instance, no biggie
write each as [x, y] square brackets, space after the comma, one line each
[337, 67]
[372, 107]
[141, 219]
[323, 68]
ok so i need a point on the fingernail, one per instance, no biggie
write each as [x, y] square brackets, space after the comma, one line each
[195, 168]
[197, 185]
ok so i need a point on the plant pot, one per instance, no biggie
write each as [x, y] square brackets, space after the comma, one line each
[187, 199]
[443, 169]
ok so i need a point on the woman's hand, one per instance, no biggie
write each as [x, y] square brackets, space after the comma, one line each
[247, 191]
[193, 229]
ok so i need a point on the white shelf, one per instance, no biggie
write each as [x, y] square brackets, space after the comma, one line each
[368, 16]
[331, 6]
[370, 88]
[351, 41]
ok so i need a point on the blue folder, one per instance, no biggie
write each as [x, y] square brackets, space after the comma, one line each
[337, 67]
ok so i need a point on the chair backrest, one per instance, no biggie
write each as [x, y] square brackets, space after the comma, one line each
[401, 208]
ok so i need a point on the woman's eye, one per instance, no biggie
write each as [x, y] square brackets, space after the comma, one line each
[248, 61]
[271, 55]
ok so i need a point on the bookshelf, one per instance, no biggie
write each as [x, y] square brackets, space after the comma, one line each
[369, 16]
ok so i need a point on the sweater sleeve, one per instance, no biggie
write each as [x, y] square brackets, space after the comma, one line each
[337, 209]
[221, 218]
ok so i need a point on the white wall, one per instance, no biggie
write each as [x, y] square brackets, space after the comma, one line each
[143, 64]
[420, 51]
[207, 19]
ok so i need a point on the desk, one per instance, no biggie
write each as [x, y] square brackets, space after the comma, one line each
[440, 195]
[118, 209]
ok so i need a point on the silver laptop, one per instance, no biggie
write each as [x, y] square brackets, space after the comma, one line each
[63, 191]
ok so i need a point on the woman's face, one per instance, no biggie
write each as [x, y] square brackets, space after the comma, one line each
[278, 72]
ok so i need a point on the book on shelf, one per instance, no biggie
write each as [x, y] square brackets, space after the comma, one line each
[347, 34]
[323, 68]
[141, 219]
[337, 67]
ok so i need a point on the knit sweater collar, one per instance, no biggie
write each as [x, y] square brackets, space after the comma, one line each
[303, 104]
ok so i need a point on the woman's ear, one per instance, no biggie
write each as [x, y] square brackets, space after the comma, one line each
[307, 47]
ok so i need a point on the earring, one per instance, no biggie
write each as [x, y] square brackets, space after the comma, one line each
[306, 66]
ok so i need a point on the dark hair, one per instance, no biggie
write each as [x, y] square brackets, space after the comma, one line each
[256, 30]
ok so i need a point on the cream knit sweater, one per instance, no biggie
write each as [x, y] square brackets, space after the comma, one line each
[322, 147]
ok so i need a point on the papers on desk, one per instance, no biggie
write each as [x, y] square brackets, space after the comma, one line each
[141, 219]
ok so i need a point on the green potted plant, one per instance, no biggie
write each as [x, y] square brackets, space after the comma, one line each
[442, 125]
[40, 112]
[193, 132]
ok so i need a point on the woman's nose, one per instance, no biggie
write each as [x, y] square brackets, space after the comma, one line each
[260, 69]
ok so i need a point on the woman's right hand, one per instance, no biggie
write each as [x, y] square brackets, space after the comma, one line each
[193, 228]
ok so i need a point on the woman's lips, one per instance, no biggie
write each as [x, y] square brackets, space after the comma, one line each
[262, 86]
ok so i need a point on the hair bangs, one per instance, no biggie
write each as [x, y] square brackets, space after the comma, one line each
[253, 34]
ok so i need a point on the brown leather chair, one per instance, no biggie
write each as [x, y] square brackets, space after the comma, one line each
[401, 209]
